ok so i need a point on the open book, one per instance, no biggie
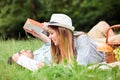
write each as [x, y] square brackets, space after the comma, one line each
[31, 24]
[28, 63]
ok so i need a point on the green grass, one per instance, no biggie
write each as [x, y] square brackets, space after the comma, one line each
[58, 72]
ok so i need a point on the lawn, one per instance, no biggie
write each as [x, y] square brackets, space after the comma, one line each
[57, 72]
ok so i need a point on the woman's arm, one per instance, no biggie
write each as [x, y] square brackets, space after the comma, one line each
[41, 36]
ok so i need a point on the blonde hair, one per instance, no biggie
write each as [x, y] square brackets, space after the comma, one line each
[66, 46]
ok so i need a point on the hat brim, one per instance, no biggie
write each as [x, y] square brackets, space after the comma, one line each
[61, 25]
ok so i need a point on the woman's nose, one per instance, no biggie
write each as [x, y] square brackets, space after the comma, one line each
[50, 37]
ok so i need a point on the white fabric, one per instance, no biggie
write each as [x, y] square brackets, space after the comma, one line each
[105, 65]
[43, 54]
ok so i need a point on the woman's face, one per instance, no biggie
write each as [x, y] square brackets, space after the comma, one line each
[54, 36]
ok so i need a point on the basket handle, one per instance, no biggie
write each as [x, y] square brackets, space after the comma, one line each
[114, 26]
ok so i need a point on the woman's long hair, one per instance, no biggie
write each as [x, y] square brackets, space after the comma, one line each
[65, 51]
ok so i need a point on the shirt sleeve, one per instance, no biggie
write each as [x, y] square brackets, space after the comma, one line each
[43, 54]
[87, 52]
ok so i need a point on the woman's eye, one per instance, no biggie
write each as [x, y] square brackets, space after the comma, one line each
[51, 33]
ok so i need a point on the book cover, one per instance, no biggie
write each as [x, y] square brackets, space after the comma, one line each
[34, 25]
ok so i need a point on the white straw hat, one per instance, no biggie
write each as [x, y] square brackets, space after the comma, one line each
[61, 20]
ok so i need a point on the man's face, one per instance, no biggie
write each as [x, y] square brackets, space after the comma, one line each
[27, 53]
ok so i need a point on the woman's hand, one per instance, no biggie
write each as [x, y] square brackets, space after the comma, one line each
[45, 27]
[32, 32]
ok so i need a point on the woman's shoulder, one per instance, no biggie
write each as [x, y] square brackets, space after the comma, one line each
[78, 33]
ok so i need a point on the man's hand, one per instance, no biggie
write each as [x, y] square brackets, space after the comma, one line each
[15, 57]
[27, 53]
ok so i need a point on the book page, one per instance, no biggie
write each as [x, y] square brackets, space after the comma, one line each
[31, 24]
[28, 63]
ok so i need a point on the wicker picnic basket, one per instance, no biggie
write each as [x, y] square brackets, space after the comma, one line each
[110, 56]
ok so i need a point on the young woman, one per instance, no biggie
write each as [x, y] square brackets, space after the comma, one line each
[64, 46]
